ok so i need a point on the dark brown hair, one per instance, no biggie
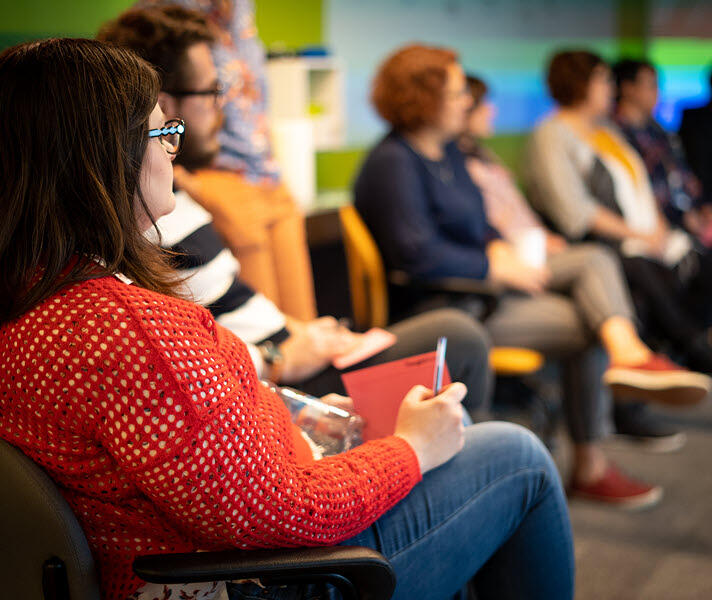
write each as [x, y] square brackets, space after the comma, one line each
[468, 144]
[627, 70]
[74, 129]
[408, 87]
[161, 35]
[478, 89]
[569, 74]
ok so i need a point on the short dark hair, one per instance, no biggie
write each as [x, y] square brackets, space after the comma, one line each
[408, 87]
[161, 35]
[74, 123]
[569, 74]
[478, 89]
[627, 70]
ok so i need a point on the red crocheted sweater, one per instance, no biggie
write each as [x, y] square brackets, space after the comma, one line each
[150, 417]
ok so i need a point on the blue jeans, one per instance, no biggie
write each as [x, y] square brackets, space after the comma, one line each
[496, 511]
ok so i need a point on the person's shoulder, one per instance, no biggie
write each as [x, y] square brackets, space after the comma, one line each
[391, 149]
[390, 157]
[549, 126]
[117, 293]
[111, 298]
[548, 134]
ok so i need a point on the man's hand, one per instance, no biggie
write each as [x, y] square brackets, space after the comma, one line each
[312, 345]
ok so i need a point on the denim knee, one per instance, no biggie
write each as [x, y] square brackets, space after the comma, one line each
[521, 449]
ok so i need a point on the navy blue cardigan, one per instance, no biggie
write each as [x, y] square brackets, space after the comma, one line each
[427, 217]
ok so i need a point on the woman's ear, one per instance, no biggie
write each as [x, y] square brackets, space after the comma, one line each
[168, 104]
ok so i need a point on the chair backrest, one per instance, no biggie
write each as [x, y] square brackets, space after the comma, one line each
[367, 277]
[36, 526]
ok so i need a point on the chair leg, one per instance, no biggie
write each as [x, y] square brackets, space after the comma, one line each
[55, 585]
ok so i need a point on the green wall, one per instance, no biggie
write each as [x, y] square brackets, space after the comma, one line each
[287, 22]
[290, 23]
[337, 169]
[281, 23]
[34, 19]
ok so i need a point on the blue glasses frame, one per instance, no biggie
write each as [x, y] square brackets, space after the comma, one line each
[171, 127]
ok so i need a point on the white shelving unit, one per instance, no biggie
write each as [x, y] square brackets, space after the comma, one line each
[309, 87]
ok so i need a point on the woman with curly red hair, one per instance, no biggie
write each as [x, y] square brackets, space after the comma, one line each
[427, 215]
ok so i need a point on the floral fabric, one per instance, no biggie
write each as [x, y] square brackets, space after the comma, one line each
[240, 59]
[675, 188]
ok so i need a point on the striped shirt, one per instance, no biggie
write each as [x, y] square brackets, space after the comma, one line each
[211, 273]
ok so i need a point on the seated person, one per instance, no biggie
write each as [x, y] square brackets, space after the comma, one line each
[149, 415]
[508, 212]
[676, 189]
[696, 137]
[590, 184]
[427, 216]
[253, 210]
[284, 350]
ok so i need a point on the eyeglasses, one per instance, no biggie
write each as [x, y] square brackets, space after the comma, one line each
[216, 92]
[170, 135]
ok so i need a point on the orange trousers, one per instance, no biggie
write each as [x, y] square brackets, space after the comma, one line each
[264, 228]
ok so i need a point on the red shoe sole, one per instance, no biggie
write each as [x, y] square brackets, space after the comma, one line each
[676, 388]
[639, 502]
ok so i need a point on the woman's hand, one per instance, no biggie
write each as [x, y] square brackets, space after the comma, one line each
[507, 269]
[432, 425]
[657, 240]
[312, 345]
[555, 244]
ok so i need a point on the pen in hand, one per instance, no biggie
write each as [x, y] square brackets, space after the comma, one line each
[439, 365]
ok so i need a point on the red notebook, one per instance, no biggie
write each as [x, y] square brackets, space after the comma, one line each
[378, 391]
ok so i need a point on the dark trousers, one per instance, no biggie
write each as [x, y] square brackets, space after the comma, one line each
[671, 302]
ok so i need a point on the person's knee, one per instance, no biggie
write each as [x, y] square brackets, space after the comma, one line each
[462, 329]
[603, 258]
[521, 448]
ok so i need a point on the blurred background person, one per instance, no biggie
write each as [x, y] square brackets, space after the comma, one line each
[510, 214]
[238, 181]
[676, 188]
[427, 216]
[589, 183]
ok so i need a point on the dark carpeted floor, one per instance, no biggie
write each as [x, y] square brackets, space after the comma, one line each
[664, 553]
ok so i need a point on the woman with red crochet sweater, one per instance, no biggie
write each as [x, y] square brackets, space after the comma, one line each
[149, 415]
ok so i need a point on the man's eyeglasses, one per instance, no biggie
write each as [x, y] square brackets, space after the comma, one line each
[170, 135]
[216, 92]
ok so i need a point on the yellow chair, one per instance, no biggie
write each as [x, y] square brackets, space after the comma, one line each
[369, 292]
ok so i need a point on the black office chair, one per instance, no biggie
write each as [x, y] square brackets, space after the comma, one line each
[45, 556]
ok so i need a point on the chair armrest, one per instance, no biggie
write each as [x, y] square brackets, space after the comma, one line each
[457, 285]
[360, 573]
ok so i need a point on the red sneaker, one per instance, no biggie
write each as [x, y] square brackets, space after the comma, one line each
[616, 488]
[659, 380]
